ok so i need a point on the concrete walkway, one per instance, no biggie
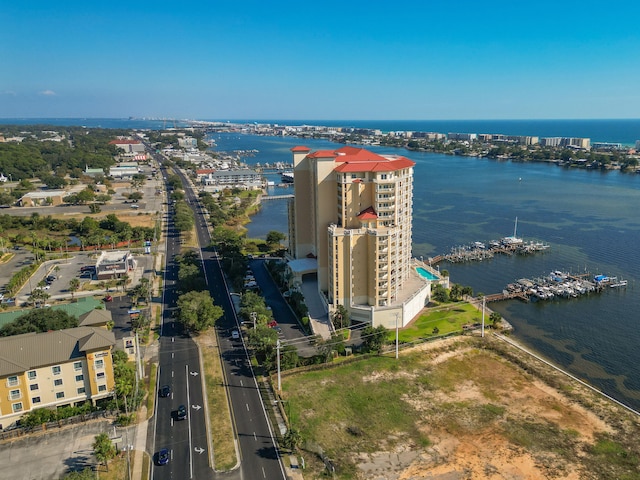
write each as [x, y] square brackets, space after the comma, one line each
[318, 315]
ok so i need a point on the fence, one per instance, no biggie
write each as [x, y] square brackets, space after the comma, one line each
[22, 431]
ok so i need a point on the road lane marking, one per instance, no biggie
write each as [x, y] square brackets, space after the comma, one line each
[186, 367]
[247, 406]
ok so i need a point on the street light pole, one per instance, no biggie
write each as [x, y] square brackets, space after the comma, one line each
[254, 316]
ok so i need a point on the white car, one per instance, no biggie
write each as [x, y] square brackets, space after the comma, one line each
[235, 334]
[135, 205]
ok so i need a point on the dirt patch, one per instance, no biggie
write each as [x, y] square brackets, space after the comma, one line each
[496, 422]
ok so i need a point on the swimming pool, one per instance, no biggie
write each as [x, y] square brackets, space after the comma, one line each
[427, 274]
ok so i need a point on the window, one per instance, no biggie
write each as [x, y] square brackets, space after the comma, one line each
[31, 374]
[77, 365]
[102, 388]
[59, 395]
[100, 375]
[99, 363]
[56, 370]
[35, 400]
[33, 386]
[12, 381]
[57, 382]
[17, 407]
[81, 390]
[14, 394]
[79, 378]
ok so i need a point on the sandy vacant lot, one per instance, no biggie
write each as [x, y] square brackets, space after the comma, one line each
[496, 413]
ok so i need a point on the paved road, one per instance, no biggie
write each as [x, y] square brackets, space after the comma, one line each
[258, 451]
[179, 367]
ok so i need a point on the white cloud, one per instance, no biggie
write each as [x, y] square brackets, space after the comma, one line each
[48, 93]
[9, 93]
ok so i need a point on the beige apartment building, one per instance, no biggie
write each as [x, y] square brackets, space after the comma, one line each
[352, 213]
[63, 367]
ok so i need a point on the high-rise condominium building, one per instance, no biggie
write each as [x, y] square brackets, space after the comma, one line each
[352, 212]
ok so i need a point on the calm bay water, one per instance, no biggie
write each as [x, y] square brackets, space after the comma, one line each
[590, 219]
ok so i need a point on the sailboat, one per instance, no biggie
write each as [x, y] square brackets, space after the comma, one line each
[513, 240]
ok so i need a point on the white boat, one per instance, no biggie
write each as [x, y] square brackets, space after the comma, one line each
[513, 240]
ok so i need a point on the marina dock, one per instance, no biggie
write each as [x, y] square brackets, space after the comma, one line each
[557, 284]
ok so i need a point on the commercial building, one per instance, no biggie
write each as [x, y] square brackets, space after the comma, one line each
[52, 369]
[114, 264]
[352, 213]
[41, 198]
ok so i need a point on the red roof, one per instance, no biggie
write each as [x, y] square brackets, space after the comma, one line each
[368, 214]
[353, 159]
[300, 149]
[204, 171]
[125, 142]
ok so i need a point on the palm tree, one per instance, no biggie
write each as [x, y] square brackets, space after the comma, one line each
[74, 285]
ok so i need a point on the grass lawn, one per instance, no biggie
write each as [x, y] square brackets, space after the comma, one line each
[220, 427]
[446, 318]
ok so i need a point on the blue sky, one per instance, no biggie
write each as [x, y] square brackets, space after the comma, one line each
[320, 60]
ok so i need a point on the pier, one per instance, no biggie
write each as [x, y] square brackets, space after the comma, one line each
[478, 252]
[276, 197]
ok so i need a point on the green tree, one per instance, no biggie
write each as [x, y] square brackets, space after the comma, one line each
[94, 208]
[103, 449]
[74, 285]
[495, 318]
[38, 296]
[374, 339]
[39, 320]
[197, 311]
[439, 293]
[340, 318]
[274, 238]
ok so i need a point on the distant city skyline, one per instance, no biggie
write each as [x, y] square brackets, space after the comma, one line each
[334, 60]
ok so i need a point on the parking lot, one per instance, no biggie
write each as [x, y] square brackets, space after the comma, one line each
[65, 269]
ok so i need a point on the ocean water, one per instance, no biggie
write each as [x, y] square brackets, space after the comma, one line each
[625, 131]
[590, 219]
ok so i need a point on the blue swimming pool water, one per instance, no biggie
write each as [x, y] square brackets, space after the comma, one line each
[426, 274]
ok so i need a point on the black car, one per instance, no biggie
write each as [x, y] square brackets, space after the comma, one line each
[164, 391]
[182, 412]
[162, 457]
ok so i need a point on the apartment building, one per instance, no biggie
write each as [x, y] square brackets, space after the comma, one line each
[352, 213]
[52, 369]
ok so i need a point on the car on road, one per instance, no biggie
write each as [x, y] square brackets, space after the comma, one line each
[235, 334]
[182, 412]
[135, 205]
[162, 457]
[46, 287]
[108, 298]
[164, 391]
[272, 324]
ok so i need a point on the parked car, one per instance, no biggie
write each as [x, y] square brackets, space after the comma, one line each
[162, 457]
[88, 268]
[164, 391]
[182, 412]
[108, 298]
[272, 324]
[235, 334]
[135, 205]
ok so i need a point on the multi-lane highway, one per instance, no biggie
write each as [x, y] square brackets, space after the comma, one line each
[179, 367]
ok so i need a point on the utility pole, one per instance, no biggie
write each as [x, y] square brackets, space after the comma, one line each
[254, 316]
[278, 360]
